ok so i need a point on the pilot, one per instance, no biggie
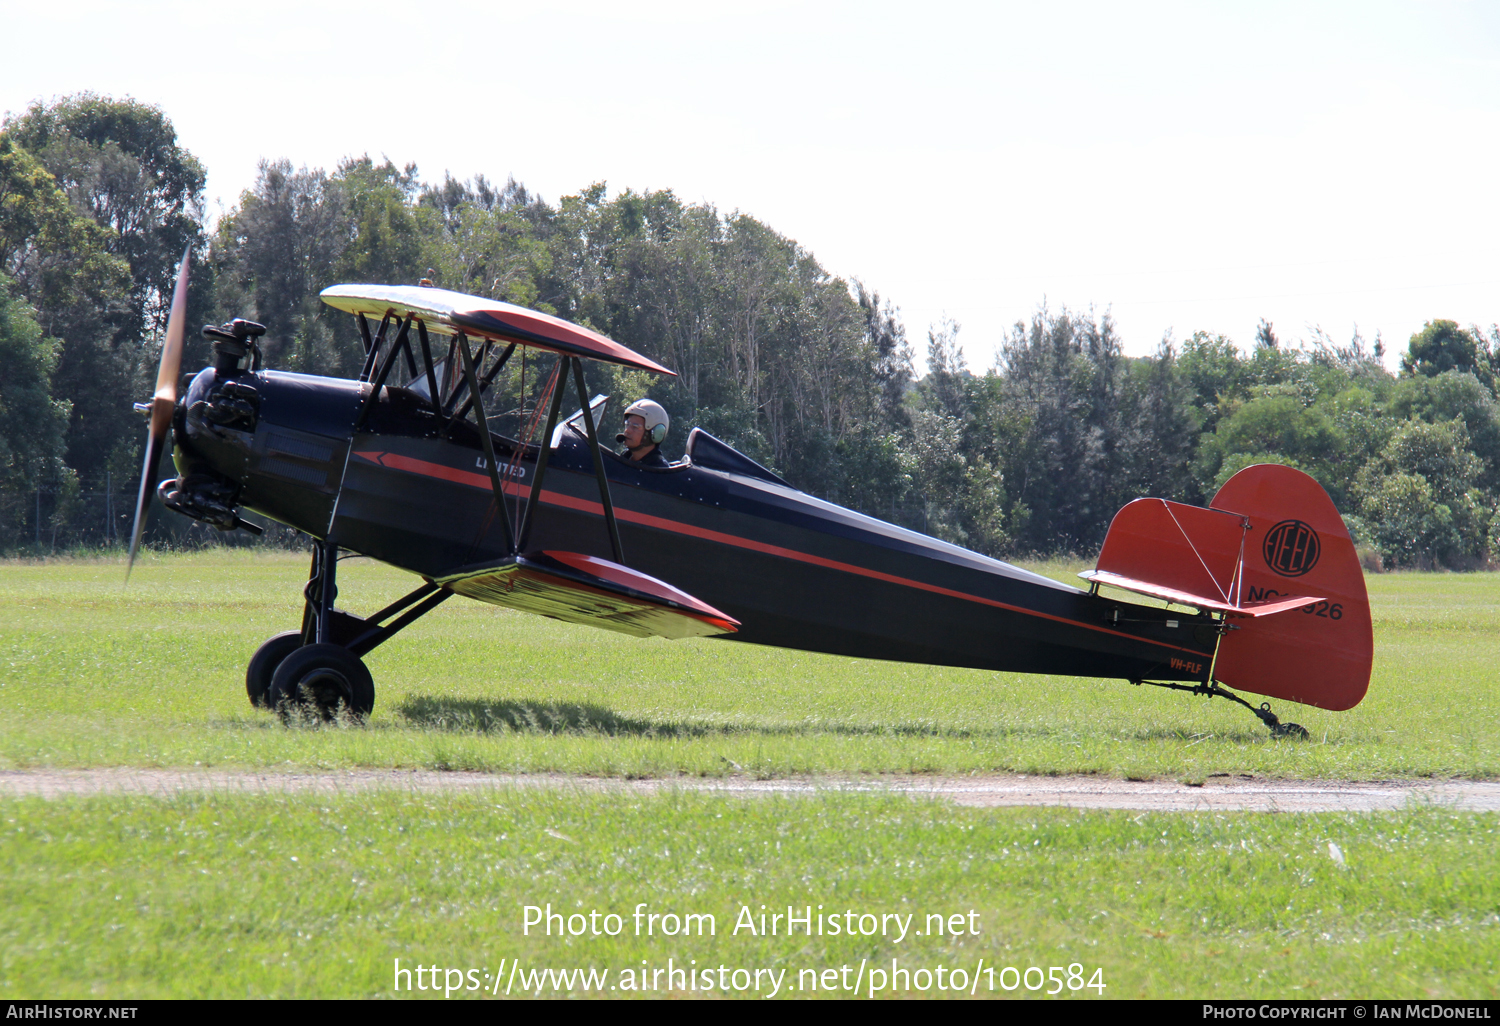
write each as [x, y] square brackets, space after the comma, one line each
[646, 425]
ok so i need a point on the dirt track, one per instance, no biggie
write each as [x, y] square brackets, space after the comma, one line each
[1216, 793]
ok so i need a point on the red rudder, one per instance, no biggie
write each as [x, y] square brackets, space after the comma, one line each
[1317, 655]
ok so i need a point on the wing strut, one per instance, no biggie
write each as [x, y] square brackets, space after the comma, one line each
[364, 333]
[403, 342]
[484, 382]
[484, 437]
[517, 534]
[372, 349]
[593, 436]
[433, 395]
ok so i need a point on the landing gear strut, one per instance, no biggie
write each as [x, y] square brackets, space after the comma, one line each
[1270, 719]
[316, 672]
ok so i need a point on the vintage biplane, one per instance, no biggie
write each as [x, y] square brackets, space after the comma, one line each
[405, 465]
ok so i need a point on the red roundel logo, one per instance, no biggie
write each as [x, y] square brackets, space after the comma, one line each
[1291, 548]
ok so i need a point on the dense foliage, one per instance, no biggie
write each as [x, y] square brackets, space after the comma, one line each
[808, 373]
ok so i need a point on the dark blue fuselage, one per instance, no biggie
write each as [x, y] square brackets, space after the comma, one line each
[794, 570]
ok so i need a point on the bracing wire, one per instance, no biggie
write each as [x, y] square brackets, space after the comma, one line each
[531, 426]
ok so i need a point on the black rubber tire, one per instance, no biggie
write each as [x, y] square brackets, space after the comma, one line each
[263, 666]
[318, 682]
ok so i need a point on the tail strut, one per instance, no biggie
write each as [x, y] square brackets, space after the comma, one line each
[1270, 719]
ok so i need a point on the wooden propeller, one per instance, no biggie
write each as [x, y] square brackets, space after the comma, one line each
[163, 404]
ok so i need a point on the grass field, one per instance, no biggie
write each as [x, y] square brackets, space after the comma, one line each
[93, 673]
[220, 895]
[216, 896]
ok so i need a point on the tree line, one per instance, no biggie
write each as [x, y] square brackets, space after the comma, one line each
[810, 374]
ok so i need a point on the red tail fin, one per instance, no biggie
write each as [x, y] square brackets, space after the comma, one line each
[1319, 655]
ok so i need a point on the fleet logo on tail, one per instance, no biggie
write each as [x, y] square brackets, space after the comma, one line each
[1291, 548]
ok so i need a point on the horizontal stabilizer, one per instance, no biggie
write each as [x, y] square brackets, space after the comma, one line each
[1182, 598]
[1271, 541]
[592, 591]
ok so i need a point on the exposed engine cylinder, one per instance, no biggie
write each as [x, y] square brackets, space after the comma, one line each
[232, 341]
[202, 496]
[227, 406]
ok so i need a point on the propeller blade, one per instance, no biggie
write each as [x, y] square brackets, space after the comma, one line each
[171, 353]
[163, 404]
[154, 446]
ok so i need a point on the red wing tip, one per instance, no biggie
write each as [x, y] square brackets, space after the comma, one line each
[624, 576]
[1276, 605]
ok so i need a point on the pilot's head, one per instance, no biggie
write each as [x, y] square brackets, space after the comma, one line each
[646, 425]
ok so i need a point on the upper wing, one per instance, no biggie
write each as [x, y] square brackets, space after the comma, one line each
[448, 312]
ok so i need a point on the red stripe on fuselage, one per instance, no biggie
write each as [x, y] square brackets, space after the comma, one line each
[416, 466]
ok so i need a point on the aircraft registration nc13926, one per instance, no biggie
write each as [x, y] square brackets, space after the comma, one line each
[403, 466]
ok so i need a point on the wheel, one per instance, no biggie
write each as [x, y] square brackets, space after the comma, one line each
[263, 665]
[317, 682]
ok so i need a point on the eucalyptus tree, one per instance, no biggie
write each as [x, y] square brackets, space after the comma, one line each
[119, 163]
[120, 166]
[52, 255]
[1064, 371]
[32, 421]
[274, 252]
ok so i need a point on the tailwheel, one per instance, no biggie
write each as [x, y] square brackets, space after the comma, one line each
[1279, 729]
[263, 665]
[317, 683]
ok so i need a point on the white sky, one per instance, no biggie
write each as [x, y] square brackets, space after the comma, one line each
[1189, 165]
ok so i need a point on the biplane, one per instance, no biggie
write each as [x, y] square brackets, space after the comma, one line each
[1260, 591]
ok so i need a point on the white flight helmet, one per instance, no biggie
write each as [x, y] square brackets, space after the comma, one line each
[657, 421]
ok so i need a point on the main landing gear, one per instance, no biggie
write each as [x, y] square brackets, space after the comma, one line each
[317, 673]
[1270, 719]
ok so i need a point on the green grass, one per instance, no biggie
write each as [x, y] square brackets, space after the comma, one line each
[93, 673]
[247, 896]
[219, 895]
